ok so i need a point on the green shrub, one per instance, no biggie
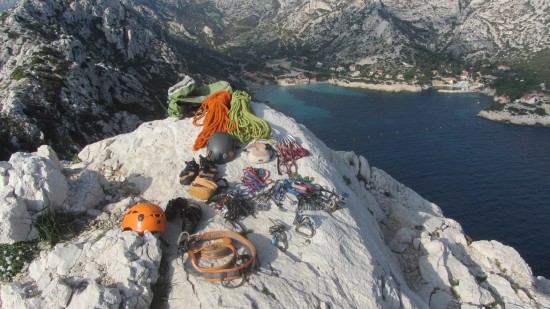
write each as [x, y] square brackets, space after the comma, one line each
[517, 111]
[13, 35]
[18, 73]
[268, 293]
[495, 107]
[14, 257]
[540, 111]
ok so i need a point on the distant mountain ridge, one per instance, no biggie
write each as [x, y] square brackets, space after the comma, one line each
[369, 31]
[6, 4]
[74, 72]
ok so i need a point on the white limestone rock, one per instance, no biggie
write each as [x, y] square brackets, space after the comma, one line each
[31, 185]
[106, 268]
[387, 248]
[406, 197]
[38, 181]
[57, 294]
[359, 164]
[47, 151]
[310, 277]
[450, 272]
[16, 222]
[97, 296]
[503, 260]
[86, 191]
[14, 295]
[465, 286]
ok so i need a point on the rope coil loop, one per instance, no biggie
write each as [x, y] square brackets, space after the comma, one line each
[213, 113]
[245, 124]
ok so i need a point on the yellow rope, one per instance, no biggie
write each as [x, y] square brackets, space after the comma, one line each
[248, 125]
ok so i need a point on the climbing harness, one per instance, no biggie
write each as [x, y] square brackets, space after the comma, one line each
[245, 125]
[213, 113]
[229, 255]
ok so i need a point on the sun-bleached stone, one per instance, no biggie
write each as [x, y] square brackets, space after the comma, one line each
[387, 248]
[115, 267]
[501, 259]
[86, 192]
[13, 295]
[16, 221]
[38, 181]
[96, 296]
[57, 294]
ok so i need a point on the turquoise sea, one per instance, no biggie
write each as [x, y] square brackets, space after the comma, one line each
[493, 178]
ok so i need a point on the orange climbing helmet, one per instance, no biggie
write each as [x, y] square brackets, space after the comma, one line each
[144, 217]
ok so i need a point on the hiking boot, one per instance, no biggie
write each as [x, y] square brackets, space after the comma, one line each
[175, 208]
[191, 217]
[189, 173]
[207, 167]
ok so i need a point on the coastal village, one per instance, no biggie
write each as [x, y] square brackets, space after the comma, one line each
[530, 109]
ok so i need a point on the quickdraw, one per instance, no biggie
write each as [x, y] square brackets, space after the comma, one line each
[278, 235]
[253, 180]
[305, 225]
[261, 201]
[288, 151]
[310, 196]
[232, 206]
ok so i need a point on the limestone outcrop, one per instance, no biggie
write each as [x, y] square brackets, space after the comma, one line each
[101, 269]
[387, 248]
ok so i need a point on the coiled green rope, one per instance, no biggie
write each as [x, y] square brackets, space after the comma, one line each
[249, 126]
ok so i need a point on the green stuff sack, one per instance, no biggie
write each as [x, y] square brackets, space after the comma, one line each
[180, 90]
[186, 92]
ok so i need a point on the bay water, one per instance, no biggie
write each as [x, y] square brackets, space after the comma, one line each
[493, 178]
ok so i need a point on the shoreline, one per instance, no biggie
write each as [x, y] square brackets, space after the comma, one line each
[506, 117]
[499, 116]
[396, 87]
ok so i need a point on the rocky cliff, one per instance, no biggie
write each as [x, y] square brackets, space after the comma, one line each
[74, 72]
[387, 248]
[370, 31]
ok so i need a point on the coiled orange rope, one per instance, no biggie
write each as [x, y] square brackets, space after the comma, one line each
[213, 111]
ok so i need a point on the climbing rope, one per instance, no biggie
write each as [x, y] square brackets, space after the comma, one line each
[213, 113]
[245, 125]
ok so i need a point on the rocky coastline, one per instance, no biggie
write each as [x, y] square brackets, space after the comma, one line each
[509, 117]
[393, 87]
[504, 115]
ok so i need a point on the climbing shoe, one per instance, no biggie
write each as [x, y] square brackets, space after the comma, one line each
[191, 217]
[189, 173]
[207, 167]
[175, 208]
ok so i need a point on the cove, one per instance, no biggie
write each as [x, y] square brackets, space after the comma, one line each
[493, 178]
